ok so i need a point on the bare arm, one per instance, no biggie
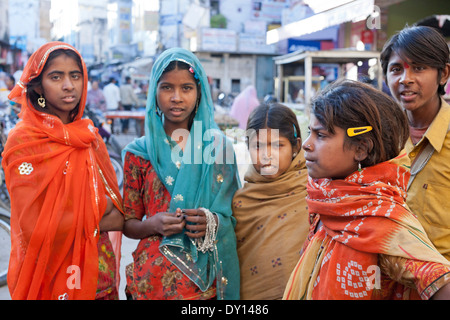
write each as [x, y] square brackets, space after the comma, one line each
[443, 293]
[112, 219]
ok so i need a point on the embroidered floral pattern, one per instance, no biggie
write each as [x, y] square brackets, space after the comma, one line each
[25, 168]
[169, 180]
[151, 275]
[178, 197]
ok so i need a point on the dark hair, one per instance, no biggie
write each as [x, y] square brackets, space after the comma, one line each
[351, 104]
[180, 65]
[420, 44]
[32, 95]
[275, 116]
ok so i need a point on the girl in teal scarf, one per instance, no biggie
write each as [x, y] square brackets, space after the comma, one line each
[196, 164]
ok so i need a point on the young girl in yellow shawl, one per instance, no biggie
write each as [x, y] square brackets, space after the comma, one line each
[271, 213]
[367, 243]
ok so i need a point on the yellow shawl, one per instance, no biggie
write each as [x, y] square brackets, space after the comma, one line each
[272, 224]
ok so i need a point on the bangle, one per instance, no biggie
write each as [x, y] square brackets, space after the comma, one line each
[207, 244]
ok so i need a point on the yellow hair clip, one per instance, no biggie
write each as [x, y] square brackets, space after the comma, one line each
[351, 132]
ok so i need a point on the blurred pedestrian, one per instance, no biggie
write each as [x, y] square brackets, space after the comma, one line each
[65, 199]
[112, 95]
[128, 99]
[243, 105]
[96, 98]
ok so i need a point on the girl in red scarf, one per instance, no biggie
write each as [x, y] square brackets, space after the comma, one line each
[364, 243]
[64, 193]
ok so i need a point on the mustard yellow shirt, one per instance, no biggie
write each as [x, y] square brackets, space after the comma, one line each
[429, 194]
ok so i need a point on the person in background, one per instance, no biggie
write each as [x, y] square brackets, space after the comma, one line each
[416, 67]
[112, 96]
[243, 105]
[96, 98]
[128, 99]
[271, 211]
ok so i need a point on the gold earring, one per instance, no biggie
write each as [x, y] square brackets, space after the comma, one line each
[41, 101]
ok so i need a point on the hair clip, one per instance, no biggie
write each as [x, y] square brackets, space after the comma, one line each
[351, 132]
[191, 70]
[295, 131]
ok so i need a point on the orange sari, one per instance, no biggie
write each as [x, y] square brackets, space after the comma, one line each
[58, 176]
[366, 227]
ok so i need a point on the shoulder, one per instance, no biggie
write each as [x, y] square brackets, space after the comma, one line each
[134, 160]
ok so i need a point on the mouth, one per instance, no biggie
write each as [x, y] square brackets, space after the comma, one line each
[69, 99]
[176, 111]
[269, 169]
[408, 95]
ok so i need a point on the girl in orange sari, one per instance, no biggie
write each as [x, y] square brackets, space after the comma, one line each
[365, 243]
[64, 193]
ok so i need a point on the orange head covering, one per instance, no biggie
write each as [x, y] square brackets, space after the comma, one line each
[58, 176]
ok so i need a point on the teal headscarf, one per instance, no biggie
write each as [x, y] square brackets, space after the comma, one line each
[203, 176]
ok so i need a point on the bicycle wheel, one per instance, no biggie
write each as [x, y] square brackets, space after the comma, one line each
[119, 171]
[5, 248]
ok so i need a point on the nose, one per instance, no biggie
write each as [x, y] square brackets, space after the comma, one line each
[307, 145]
[176, 96]
[266, 152]
[407, 76]
[68, 84]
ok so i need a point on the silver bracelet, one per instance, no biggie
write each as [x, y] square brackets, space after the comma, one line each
[208, 242]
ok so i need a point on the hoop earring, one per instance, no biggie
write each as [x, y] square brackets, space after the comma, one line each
[41, 101]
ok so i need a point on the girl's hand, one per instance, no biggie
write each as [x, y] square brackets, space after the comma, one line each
[166, 223]
[195, 223]
[162, 223]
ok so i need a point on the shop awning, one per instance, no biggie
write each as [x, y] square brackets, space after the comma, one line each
[352, 11]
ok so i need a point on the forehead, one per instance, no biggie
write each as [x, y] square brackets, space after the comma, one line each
[177, 75]
[314, 123]
[399, 58]
[62, 61]
[266, 135]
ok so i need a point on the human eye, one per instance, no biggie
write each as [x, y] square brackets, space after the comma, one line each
[76, 76]
[321, 135]
[419, 68]
[395, 69]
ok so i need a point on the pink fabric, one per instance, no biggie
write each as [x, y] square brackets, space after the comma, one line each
[243, 105]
